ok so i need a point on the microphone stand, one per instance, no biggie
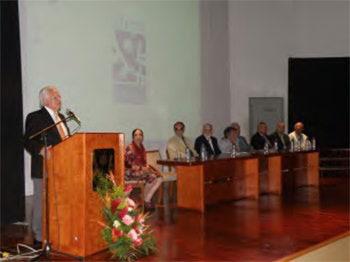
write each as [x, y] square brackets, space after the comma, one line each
[47, 249]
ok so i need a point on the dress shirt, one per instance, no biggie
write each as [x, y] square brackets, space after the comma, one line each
[54, 118]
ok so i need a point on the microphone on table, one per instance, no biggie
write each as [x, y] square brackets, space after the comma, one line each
[70, 113]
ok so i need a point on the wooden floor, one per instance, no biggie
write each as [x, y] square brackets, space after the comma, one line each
[242, 230]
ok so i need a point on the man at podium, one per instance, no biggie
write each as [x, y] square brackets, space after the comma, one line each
[50, 102]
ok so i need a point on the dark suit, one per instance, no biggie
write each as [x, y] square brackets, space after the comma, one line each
[258, 141]
[35, 122]
[203, 140]
[274, 136]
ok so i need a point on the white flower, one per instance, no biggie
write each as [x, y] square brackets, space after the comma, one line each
[116, 224]
[129, 208]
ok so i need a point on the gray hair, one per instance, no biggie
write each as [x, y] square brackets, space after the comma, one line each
[207, 124]
[45, 94]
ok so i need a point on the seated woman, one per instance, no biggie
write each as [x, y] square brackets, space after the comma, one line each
[136, 167]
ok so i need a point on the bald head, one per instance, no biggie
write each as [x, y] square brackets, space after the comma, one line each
[299, 127]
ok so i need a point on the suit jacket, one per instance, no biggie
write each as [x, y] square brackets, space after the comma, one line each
[274, 136]
[177, 145]
[258, 142]
[35, 122]
[203, 140]
[243, 144]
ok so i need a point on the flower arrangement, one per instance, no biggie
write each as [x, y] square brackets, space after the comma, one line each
[124, 228]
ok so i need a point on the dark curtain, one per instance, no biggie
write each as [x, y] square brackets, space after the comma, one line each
[11, 113]
[319, 97]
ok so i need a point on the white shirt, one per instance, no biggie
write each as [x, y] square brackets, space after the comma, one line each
[53, 116]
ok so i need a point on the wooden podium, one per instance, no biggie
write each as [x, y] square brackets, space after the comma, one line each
[74, 207]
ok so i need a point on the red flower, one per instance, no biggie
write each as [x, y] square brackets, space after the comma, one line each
[115, 234]
[123, 212]
[128, 189]
[137, 231]
[115, 204]
[138, 242]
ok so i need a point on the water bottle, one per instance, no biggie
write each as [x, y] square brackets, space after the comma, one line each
[266, 148]
[276, 145]
[292, 145]
[203, 152]
[187, 154]
[233, 152]
[313, 143]
[307, 145]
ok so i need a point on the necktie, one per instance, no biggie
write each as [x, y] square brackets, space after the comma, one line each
[60, 128]
[266, 140]
[211, 144]
[283, 142]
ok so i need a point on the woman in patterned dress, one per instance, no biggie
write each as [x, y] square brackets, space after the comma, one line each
[136, 167]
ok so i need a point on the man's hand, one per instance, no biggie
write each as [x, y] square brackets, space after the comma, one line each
[42, 152]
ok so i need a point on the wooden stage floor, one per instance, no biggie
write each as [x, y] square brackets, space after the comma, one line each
[243, 230]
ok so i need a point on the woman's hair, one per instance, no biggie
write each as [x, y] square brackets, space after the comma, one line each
[134, 131]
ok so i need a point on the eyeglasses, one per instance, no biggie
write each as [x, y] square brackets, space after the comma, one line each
[179, 129]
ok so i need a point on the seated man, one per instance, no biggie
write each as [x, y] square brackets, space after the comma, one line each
[241, 141]
[282, 139]
[229, 139]
[178, 143]
[298, 135]
[206, 139]
[260, 138]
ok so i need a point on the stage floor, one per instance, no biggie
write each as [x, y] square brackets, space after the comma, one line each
[243, 230]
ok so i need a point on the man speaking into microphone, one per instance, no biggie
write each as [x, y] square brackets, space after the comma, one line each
[50, 102]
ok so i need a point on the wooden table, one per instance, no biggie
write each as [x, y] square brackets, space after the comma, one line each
[270, 173]
[215, 180]
[300, 168]
[223, 178]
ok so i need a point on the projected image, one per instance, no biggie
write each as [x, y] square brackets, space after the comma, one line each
[129, 67]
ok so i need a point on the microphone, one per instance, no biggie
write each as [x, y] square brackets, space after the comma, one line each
[71, 114]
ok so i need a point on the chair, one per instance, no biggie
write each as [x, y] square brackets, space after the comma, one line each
[152, 158]
[141, 185]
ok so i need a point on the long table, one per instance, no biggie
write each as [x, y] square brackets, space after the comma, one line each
[300, 169]
[215, 180]
[223, 178]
